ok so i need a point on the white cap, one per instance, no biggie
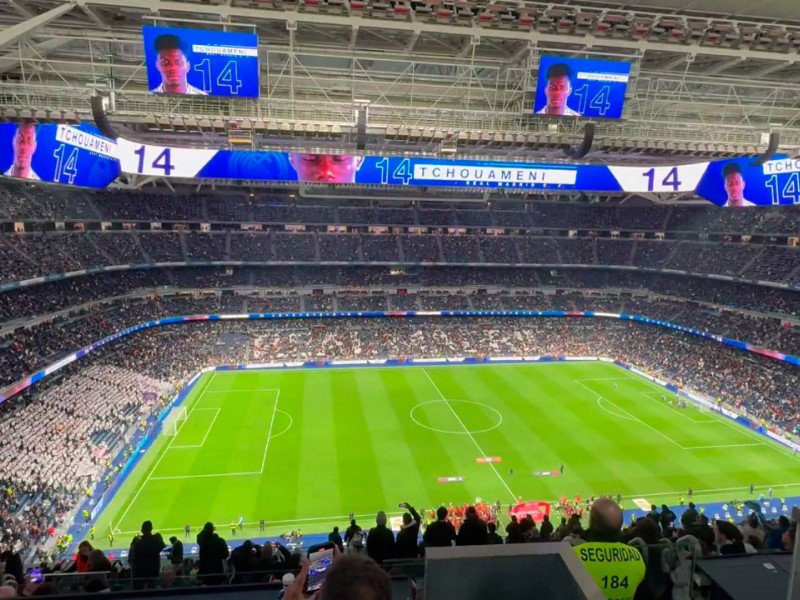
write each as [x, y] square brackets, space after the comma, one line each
[287, 580]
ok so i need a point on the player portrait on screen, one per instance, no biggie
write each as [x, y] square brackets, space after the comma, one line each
[734, 186]
[326, 168]
[24, 145]
[557, 91]
[172, 61]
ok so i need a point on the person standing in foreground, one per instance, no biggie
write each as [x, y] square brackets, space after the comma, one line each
[212, 553]
[380, 540]
[441, 532]
[407, 545]
[617, 569]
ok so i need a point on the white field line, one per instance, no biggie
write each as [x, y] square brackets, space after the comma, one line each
[650, 427]
[679, 412]
[205, 437]
[724, 446]
[346, 518]
[740, 429]
[285, 522]
[169, 447]
[163, 454]
[481, 453]
[235, 391]
[269, 435]
[613, 414]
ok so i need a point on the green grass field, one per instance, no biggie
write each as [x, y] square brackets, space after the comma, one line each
[304, 448]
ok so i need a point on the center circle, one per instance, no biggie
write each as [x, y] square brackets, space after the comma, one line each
[461, 430]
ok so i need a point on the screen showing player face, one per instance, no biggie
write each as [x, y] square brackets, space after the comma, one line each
[24, 146]
[173, 66]
[578, 87]
[557, 91]
[326, 168]
[734, 186]
[201, 62]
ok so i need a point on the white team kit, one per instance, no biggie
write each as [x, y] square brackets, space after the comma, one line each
[190, 90]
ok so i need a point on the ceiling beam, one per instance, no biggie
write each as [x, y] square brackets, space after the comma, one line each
[246, 14]
[21, 10]
[13, 59]
[21, 31]
[723, 66]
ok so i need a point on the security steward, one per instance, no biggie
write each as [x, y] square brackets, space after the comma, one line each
[617, 569]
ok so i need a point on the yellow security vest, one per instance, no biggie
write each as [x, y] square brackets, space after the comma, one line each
[617, 569]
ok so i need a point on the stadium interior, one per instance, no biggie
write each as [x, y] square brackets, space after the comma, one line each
[372, 312]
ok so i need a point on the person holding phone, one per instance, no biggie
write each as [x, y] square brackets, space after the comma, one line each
[348, 577]
[407, 544]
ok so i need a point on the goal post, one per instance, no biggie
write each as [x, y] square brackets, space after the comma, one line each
[173, 422]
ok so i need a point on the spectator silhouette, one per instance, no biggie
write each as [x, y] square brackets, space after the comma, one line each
[407, 545]
[473, 531]
[176, 552]
[380, 540]
[146, 556]
[546, 530]
[212, 553]
[493, 537]
[514, 532]
[336, 539]
[441, 532]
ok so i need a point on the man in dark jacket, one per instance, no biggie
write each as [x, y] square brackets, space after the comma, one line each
[408, 536]
[514, 532]
[176, 552]
[688, 518]
[546, 530]
[441, 532]
[380, 540]
[146, 552]
[473, 531]
[494, 537]
[336, 539]
[212, 553]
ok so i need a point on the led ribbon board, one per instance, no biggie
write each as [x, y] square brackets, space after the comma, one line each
[68, 154]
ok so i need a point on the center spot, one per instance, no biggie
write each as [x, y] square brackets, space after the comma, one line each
[460, 417]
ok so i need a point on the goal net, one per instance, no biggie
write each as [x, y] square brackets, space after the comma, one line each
[174, 421]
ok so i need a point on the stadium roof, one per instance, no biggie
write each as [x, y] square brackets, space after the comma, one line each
[710, 77]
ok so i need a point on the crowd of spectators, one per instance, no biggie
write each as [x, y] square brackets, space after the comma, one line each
[762, 386]
[26, 203]
[25, 349]
[30, 255]
[54, 445]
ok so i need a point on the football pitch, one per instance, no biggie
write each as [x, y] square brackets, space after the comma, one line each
[304, 448]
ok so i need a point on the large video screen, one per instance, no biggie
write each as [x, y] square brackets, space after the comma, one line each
[576, 87]
[73, 155]
[735, 183]
[728, 182]
[201, 62]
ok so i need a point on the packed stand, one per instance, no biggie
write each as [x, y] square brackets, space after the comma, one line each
[55, 445]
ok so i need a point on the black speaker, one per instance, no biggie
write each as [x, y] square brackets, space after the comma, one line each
[586, 144]
[100, 118]
[361, 128]
[772, 147]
